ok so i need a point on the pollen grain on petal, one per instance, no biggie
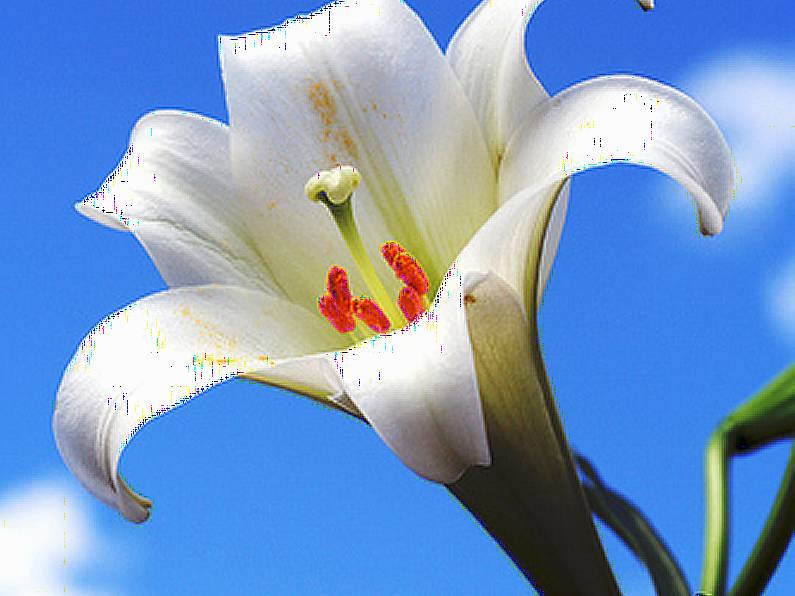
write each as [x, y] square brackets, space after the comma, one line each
[410, 303]
[324, 105]
[339, 288]
[368, 311]
[343, 322]
[332, 130]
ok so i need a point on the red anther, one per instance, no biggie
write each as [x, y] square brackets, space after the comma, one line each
[410, 303]
[390, 250]
[337, 284]
[370, 314]
[405, 266]
[408, 269]
[340, 320]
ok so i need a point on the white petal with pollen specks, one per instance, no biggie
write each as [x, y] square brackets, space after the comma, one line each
[363, 83]
[160, 352]
[624, 118]
[174, 191]
[487, 54]
[418, 389]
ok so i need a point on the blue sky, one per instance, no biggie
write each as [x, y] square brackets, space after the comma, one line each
[650, 332]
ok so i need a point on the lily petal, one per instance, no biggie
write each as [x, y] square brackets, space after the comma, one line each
[161, 351]
[655, 125]
[624, 118]
[488, 55]
[418, 388]
[174, 191]
[510, 243]
[361, 82]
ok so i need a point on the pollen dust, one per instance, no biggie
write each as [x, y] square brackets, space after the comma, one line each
[334, 135]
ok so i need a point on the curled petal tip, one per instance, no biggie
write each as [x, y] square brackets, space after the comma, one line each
[133, 506]
[97, 214]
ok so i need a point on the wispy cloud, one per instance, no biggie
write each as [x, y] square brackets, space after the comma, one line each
[47, 541]
[781, 300]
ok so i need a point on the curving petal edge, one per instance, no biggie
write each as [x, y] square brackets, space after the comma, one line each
[418, 389]
[175, 192]
[162, 351]
[513, 241]
[624, 119]
[487, 53]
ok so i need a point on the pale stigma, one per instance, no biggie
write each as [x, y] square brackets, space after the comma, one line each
[335, 185]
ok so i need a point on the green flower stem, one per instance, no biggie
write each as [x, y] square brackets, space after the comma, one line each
[773, 542]
[765, 418]
[716, 541]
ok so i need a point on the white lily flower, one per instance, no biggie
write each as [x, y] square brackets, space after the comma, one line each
[461, 158]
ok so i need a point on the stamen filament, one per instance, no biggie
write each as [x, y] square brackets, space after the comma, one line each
[358, 335]
[362, 332]
[343, 217]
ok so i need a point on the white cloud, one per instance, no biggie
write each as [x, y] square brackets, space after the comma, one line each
[47, 541]
[751, 95]
[781, 300]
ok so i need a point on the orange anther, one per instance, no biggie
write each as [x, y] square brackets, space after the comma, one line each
[342, 321]
[390, 250]
[370, 314]
[410, 303]
[405, 266]
[408, 269]
[337, 284]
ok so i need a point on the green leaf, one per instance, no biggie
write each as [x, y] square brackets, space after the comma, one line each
[635, 530]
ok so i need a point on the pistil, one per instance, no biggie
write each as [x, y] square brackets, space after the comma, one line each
[334, 189]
